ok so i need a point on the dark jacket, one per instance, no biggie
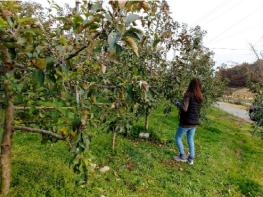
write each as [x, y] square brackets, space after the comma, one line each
[189, 111]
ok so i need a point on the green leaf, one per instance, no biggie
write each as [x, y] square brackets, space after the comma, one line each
[10, 21]
[29, 55]
[21, 41]
[121, 28]
[63, 40]
[96, 6]
[131, 18]
[38, 77]
[29, 32]
[3, 23]
[26, 21]
[156, 41]
[77, 21]
[113, 38]
[134, 33]
[10, 45]
[50, 61]
[119, 49]
[94, 26]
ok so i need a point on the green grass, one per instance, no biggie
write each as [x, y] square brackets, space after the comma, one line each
[229, 162]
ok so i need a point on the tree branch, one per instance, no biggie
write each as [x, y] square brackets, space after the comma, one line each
[55, 108]
[82, 48]
[41, 131]
[41, 107]
[76, 52]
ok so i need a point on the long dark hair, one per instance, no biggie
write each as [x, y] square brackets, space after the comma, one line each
[195, 88]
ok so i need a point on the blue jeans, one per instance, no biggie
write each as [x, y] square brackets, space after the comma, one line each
[190, 140]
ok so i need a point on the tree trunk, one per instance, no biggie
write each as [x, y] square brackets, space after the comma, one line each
[5, 159]
[146, 120]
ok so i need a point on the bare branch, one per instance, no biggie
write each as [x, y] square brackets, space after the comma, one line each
[41, 107]
[76, 52]
[82, 48]
[254, 50]
[54, 108]
[41, 131]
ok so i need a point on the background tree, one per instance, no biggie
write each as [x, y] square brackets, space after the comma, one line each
[257, 107]
[191, 60]
[242, 75]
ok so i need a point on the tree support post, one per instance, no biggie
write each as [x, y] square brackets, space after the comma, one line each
[146, 120]
[114, 140]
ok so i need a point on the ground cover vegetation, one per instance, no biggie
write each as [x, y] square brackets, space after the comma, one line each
[227, 162]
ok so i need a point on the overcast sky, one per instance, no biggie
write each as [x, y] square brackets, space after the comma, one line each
[230, 24]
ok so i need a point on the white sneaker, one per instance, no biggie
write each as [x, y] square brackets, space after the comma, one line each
[190, 161]
[180, 158]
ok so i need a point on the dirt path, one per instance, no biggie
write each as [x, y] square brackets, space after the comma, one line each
[236, 110]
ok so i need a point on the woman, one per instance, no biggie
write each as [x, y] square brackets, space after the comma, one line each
[189, 118]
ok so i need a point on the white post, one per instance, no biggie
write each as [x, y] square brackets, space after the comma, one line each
[77, 5]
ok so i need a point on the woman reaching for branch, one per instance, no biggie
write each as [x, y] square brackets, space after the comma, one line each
[189, 112]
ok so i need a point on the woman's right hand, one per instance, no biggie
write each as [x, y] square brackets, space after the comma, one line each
[178, 104]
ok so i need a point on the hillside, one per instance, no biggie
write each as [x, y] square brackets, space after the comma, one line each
[229, 163]
[240, 75]
[240, 96]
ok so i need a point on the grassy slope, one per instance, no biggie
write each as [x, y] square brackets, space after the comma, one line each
[229, 162]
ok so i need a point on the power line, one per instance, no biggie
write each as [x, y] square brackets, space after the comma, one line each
[211, 11]
[224, 12]
[231, 49]
[233, 25]
[261, 37]
[245, 29]
[236, 54]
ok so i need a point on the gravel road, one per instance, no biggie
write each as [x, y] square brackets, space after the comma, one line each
[235, 110]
